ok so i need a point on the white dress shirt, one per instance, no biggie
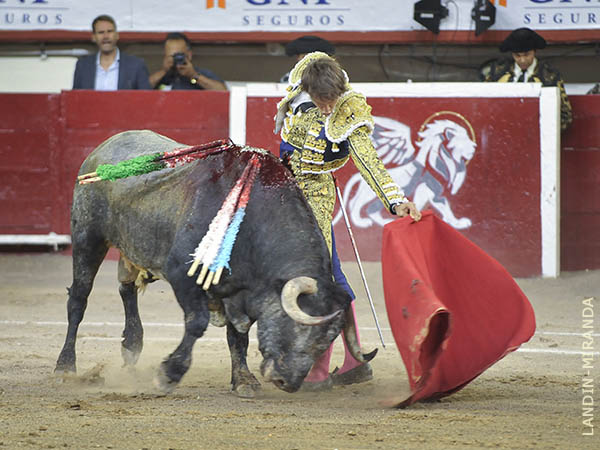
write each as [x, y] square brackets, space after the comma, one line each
[528, 72]
[107, 80]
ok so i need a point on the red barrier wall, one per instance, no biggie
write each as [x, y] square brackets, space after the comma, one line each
[29, 144]
[580, 190]
[504, 170]
[88, 117]
[44, 138]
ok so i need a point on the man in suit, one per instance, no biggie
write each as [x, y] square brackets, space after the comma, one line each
[109, 69]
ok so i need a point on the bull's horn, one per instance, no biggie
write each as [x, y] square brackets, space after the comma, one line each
[289, 301]
[352, 341]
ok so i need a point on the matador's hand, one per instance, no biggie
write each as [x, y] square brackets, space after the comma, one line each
[403, 209]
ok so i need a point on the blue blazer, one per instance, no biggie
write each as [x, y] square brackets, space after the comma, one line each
[133, 73]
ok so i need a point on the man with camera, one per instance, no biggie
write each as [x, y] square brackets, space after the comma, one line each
[178, 72]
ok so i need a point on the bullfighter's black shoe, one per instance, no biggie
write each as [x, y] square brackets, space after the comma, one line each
[359, 374]
[325, 385]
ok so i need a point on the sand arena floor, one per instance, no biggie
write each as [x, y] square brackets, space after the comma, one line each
[533, 398]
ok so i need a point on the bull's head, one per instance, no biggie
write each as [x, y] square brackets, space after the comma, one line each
[290, 349]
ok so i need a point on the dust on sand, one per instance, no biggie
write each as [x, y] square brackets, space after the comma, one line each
[530, 399]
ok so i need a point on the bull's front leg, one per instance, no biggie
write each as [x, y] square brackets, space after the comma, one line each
[243, 382]
[196, 317]
[87, 257]
[76, 306]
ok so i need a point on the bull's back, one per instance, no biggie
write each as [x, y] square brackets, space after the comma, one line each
[139, 215]
[143, 215]
[149, 215]
[127, 145]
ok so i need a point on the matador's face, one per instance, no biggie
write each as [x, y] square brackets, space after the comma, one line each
[524, 59]
[325, 105]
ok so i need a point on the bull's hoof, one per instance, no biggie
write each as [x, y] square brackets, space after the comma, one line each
[64, 369]
[246, 390]
[130, 358]
[163, 382]
[60, 370]
[65, 363]
[61, 376]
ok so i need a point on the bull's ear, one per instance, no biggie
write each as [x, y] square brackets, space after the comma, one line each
[234, 310]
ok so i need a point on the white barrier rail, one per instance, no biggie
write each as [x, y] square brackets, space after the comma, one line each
[51, 239]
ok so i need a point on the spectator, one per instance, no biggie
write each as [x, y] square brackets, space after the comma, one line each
[300, 47]
[178, 72]
[525, 67]
[324, 123]
[109, 69]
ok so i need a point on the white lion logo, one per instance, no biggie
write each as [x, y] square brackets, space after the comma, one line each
[444, 146]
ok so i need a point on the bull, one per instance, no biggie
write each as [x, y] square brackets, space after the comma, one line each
[280, 275]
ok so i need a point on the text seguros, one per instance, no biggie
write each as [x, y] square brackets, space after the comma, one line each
[292, 20]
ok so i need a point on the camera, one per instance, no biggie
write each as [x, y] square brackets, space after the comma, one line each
[179, 58]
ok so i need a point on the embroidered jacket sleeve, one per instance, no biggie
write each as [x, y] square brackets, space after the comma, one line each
[372, 169]
[551, 77]
[351, 121]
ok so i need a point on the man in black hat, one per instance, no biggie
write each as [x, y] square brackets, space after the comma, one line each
[304, 45]
[525, 67]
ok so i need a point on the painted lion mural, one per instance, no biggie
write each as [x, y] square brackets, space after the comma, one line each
[444, 150]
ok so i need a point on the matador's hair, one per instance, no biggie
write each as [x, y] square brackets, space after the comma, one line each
[324, 78]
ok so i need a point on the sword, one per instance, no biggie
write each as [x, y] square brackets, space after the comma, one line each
[362, 272]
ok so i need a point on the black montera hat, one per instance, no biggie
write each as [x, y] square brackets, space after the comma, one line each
[522, 40]
[308, 44]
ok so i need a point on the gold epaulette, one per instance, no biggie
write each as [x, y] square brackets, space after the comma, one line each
[350, 112]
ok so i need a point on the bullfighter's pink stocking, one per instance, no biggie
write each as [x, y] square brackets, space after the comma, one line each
[320, 369]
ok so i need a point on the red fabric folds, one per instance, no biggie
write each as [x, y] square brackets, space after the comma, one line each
[454, 310]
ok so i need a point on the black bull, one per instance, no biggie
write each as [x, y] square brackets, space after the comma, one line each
[280, 267]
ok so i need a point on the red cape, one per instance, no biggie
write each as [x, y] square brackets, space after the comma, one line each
[453, 309]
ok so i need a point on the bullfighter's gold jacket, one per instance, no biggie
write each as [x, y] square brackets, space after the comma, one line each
[317, 145]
